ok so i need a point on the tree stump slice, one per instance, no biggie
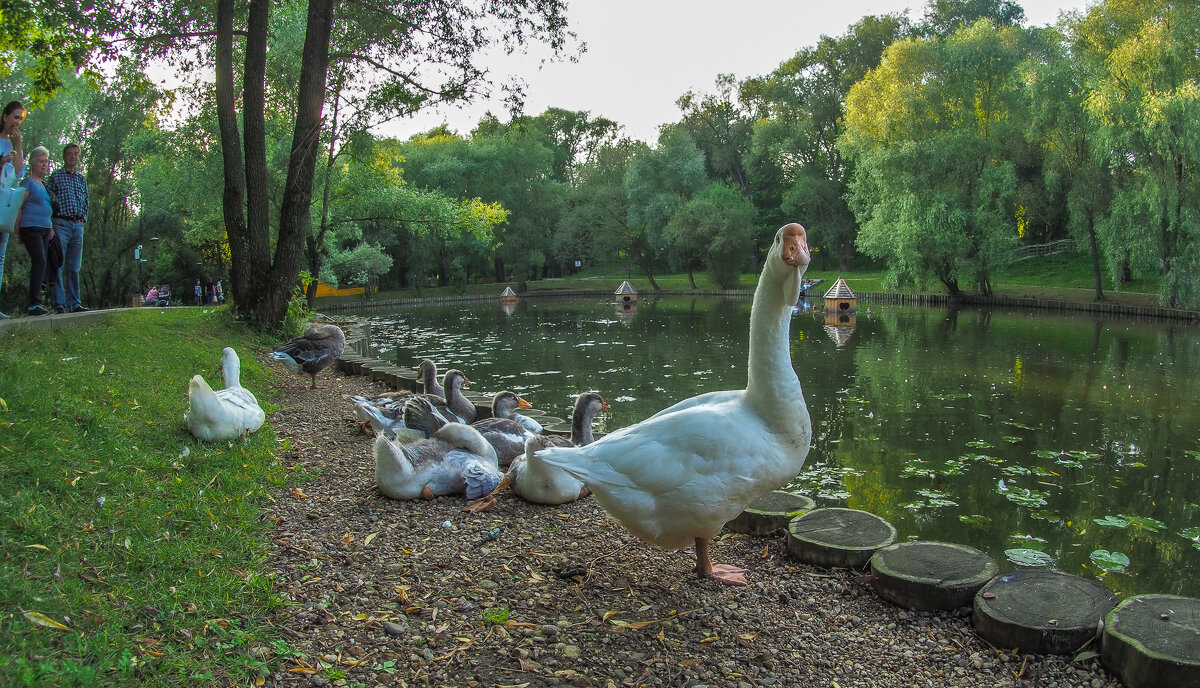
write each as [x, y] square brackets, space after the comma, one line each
[408, 380]
[931, 576]
[770, 513]
[1040, 611]
[838, 538]
[1154, 640]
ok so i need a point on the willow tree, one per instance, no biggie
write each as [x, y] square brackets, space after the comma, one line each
[403, 55]
[1145, 101]
[932, 132]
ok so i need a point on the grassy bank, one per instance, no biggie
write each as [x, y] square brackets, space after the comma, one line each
[1059, 277]
[129, 548]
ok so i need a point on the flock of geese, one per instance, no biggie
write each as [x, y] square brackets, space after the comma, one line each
[431, 445]
[673, 479]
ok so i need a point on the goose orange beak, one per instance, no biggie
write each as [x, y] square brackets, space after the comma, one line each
[521, 403]
[795, 245]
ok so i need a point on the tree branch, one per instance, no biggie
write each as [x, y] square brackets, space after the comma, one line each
[382, 67]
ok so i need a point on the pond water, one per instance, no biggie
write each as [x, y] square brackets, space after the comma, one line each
[1042, 439]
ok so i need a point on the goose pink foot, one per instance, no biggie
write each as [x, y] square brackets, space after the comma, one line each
[722, 573]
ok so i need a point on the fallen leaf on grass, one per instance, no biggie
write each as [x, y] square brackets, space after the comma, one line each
[41, 547]
[42, 620]
[308, 671]
[367, 540]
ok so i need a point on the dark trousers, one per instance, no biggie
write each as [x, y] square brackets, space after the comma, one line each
[36, 241]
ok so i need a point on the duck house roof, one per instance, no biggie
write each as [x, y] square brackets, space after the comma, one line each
[840, 290]
[508, 291]
[625, 288]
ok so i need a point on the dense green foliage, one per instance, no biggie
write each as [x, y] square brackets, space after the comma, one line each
[931, 148]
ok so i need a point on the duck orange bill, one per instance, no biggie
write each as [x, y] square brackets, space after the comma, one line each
[521, 403]
[795, 245]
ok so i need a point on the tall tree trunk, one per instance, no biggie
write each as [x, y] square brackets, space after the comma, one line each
[306, 140]
[233, 198]
[691, 279]
[1094, 249]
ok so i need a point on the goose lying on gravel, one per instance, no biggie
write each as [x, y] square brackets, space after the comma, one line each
[456, 460]
[536, 481]
[503, 431]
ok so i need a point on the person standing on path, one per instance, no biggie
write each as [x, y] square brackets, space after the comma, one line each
[34, 228]
[11, 157]
[69, 198]
[197, 292]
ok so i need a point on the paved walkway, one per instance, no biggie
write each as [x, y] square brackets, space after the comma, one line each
[56, 320]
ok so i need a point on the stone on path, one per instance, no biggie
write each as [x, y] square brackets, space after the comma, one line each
[836, 537]
[1041, 611]
[1154, 640]
[931, 576]
[770, 513]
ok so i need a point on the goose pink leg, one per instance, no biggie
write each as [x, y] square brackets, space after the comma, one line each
[722, 573]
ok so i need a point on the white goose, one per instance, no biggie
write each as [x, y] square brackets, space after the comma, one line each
[226, 413]
[677, 477]
[456, 460]
[536, 481]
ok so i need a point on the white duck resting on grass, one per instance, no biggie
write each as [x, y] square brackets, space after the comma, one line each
[456, 460]
[677, 477]
[315, 351]
[226, 413]
[533, 479]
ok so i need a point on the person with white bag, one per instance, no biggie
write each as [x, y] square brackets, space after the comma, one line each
[12, 161]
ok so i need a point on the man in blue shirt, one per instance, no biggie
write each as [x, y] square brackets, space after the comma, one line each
[69, 198]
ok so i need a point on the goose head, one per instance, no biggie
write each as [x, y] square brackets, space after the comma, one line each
[587, 407]
[505, 402]
[788, 259]
[427, 372]
[454, 380]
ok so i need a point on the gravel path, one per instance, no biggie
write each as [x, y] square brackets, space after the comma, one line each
[384, 592]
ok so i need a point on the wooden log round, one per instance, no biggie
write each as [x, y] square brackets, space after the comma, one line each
[931, 576]
[838, 538]
[771, 512]
[1041, 611]
[1154, 640]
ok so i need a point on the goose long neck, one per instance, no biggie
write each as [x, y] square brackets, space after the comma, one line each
[771, 380]
[231, 372]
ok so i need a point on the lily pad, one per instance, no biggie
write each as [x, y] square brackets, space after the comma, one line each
[1145, 522]
[1015, 470]
[1012, 439]
[1022, 496]
[1192, 534]
[1194, 454]
[975, 519]
[1111, 522]
[1028, 557]
[980, 444]
[1109, 561]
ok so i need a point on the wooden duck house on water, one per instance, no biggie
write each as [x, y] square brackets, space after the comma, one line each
[626, 298]
[626, 293]
[840, 298]
[841, 305]
[508, 295]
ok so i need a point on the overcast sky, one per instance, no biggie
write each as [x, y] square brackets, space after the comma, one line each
[643, 54]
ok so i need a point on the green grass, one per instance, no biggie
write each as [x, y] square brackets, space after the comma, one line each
[1062, 276]
[142, 542]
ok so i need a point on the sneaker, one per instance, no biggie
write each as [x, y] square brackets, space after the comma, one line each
[38, 310]
[80, 309]
[60, 310]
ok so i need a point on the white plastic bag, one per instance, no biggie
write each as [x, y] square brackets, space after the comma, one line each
[11, 198]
